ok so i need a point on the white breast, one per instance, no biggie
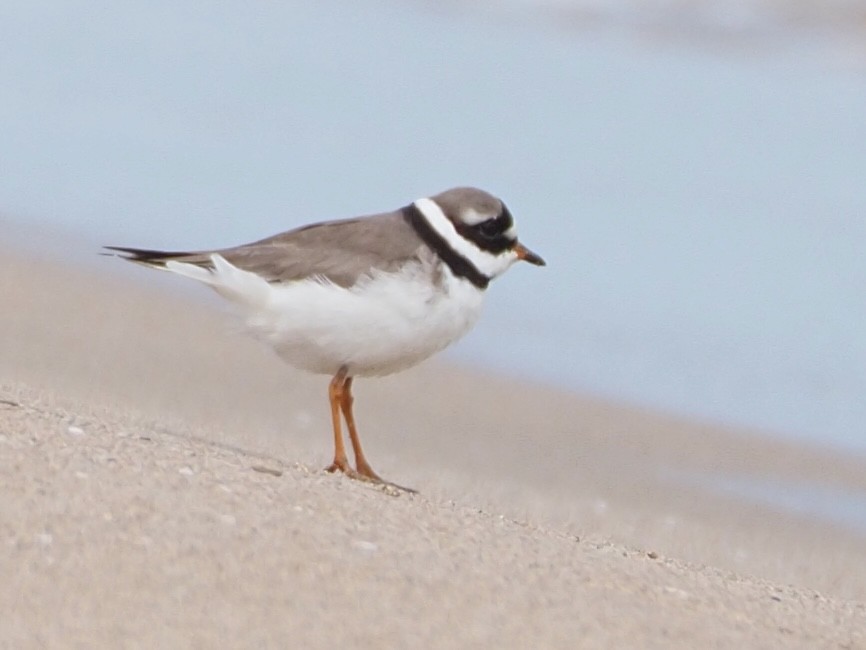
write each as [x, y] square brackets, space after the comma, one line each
[385, 323]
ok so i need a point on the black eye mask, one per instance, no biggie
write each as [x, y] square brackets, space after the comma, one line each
[490, 235]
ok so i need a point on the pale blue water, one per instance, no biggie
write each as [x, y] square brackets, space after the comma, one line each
[702, 210]
[813, 500]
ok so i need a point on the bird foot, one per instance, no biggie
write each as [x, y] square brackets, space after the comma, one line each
[366, 474]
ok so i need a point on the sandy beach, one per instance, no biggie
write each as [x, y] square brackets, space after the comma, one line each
[163, 487]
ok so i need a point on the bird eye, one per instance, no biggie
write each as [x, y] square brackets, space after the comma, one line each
[490, 229]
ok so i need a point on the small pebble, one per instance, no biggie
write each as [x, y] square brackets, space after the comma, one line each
[75, 431]
[266, 470]
[186, 471]
[362, 545]
[652, 555]
[676, 591]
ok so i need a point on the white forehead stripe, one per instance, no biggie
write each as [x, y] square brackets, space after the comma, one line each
[472, 217]
[487, 263]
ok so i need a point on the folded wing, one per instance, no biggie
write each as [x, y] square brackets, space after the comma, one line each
[341, 251]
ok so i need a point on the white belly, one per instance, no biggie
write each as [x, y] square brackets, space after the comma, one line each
[385, 324]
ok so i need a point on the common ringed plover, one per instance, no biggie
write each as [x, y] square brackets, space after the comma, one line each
[362, 297]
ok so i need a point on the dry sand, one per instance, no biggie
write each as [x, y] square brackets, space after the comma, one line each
[162, 488]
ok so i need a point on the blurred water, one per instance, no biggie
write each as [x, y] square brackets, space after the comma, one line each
[701, 210]
[832, 505]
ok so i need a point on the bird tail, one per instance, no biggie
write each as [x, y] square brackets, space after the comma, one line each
[235, 284]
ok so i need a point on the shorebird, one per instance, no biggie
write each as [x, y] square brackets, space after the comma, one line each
[362, 297]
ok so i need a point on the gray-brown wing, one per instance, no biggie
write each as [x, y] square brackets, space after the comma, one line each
[341, 251]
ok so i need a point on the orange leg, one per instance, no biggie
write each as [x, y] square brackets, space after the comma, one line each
[361, 463]
[335, 394]
[340, 395]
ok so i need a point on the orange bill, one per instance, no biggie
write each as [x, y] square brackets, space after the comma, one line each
[523, 253]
